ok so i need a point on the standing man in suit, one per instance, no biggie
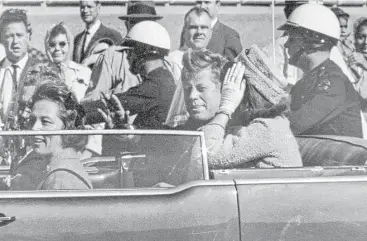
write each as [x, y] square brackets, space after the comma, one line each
[15, 90]
[16, 84]
[94, 33]
[225, 40]
[111, 71]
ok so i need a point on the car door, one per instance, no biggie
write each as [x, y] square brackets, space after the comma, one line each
[205, 210]
[308, 203]
[197, 210]
[315, 208]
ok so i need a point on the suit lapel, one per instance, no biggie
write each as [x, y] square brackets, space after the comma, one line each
[79, 46]
[95, 37]
[214, 43]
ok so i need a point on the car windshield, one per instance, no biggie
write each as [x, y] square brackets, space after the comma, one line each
[127, 159]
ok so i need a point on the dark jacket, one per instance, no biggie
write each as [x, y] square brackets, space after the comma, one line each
[225, 41]
[25, 89]
[150, 100]
[103, 32]
[324, 102]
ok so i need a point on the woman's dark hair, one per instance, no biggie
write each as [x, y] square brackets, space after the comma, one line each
[195, 61]
[57, 30]
[70, 112]
[255, 105]
[358, 24]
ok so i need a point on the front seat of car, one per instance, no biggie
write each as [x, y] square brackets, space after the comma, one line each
[318, 150]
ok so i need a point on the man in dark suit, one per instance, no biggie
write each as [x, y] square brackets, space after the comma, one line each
[225, 40]
[94, 33]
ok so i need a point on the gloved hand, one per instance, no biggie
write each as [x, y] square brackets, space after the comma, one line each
[233, 89]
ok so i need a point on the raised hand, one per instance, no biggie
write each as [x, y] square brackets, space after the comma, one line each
[233, 89]
[357, 59]
[114, 113]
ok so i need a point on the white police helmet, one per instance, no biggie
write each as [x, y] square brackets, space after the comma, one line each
[150, 33]
[314, 18]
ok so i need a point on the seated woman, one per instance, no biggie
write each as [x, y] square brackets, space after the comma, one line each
[53, 162]
[260, 136]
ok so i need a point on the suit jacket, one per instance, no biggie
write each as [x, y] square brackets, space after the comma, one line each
[225, 41]
[25, 89]
[102, 33]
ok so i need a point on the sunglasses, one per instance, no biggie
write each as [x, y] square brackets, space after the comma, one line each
[62, 44]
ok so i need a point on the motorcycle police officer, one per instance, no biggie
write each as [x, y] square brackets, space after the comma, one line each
[324, 101]
[149, 42]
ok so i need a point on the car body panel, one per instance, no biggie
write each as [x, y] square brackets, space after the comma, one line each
[321, 208]
[201, 210]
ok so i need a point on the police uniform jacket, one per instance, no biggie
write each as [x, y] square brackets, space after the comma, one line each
[150, 100]
[324, 102]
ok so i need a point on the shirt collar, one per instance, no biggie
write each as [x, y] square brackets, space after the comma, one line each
[215, 20]
[93, 29]
[21, 63]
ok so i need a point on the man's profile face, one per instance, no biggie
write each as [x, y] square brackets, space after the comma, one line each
[15, 39]
[89, 11]
[199, 31]
[295, 43]
[211, 6]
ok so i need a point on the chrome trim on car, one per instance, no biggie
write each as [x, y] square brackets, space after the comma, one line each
[301, 180]
[115, 192]
[102, 132]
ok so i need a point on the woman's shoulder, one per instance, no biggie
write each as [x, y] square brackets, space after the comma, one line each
[66, 172]
[272, 122]
[70, 175]
[264, 128]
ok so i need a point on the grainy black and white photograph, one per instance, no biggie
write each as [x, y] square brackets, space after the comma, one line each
[187, 120]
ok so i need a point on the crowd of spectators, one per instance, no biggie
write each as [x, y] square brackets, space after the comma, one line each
[248, 108]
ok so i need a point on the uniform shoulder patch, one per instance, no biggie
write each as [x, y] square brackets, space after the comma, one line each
[324, 85]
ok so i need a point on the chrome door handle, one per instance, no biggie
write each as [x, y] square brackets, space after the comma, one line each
[4, 220]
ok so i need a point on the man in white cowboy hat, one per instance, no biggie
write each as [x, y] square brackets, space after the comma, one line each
[111, 71]
[324, 101]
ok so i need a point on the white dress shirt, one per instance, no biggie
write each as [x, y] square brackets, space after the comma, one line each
[91, 31]
[6, 73]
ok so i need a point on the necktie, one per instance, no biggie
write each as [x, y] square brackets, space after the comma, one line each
[85, 42]
[9, 98]
[14, 77]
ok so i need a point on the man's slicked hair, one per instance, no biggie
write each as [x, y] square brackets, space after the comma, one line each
[197, 11]
[14, 15]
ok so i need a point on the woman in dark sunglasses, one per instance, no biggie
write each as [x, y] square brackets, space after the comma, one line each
[59, 48]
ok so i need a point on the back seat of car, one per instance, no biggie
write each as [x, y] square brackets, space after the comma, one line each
[318, 150]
